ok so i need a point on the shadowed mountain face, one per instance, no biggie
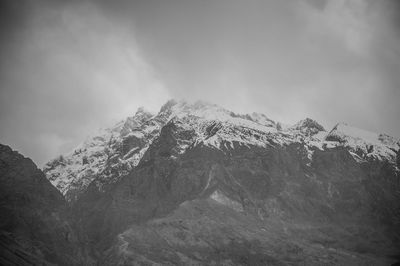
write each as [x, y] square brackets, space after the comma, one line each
[199, 185]
[208, 192]
[254, 207]
[34, 228]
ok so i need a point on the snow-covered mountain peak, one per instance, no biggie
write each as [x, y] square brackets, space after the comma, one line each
[199, 109]
[262, 119]
[389, 140]
[143, 113]
[308, 126]
[212, 112]
[106, 155]
[364, 143]
[115, 151]
[167, 106]
[342, 132]
[135, 123]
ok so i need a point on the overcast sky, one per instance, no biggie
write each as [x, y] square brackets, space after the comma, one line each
[68, 68]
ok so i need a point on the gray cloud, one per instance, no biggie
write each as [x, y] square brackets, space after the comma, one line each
[67, 71]
[69, 67]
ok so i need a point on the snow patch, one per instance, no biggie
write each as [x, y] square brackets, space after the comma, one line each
[219, 197]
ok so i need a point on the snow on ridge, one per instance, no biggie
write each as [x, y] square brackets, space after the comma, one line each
[208, 111]
[364, 143]
[221, 198]
[225, 126]
[262, 119]
[114, 151]
[110, 153]
[241, 134]
[344, 132]
[307, 126]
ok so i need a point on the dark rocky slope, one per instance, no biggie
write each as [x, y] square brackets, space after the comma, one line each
[246, 205]
[34, 227]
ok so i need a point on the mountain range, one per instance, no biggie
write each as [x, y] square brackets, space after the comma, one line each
[196, 184]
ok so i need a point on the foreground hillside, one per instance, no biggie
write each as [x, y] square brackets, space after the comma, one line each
[34, 225]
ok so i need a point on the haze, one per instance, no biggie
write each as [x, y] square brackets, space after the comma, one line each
[70, 67]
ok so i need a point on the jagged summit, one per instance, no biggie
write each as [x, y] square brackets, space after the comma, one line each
[364, 144]
[343, 132]
[308, 126]
[262, 119]
[104, 156]
[209, 111]
[133, 123]
[143, 112]
[199, 108]
[185, 104]
[167, 106]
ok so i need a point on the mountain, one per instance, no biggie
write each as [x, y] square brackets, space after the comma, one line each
[114, 152]
[197, 184]
[365, 145]
[34, 227]
[105, 157]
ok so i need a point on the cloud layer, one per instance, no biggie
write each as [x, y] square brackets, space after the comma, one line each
[69, 67]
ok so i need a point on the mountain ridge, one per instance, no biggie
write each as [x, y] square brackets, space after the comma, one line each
[121, 147]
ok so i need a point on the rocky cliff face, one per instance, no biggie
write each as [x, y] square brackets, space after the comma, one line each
[217, 188]
[34, 226]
